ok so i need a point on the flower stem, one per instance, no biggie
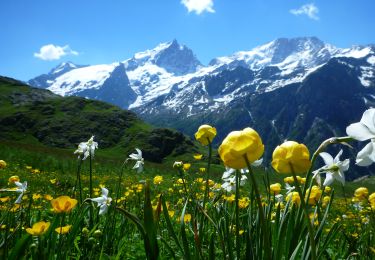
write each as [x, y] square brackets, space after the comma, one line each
[237, 215]
[207, 189]
[267, 248]
[304, 208]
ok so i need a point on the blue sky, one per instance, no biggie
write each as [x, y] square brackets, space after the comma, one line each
[98, 31]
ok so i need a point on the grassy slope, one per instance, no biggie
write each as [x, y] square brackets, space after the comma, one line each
[38, 118]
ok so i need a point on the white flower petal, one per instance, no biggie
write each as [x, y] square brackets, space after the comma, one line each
[327, 158]
[99, 200]
[104, 192]
[363, 162]
[103, 209]
[344, 165]
[18, 201]
[340, 177]
[139, 152]
[337, 158]
[257, 162]
[364, 156]
[368, 119]
[329, 179]
[359, 132]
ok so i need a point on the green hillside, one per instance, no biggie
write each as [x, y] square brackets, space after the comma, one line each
[38, 118]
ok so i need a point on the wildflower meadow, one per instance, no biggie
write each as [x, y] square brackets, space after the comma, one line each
[297, 206]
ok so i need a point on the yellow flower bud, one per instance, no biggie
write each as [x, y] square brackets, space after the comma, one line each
[158, 179]
[13, 179]
[3, 164]
[275, 188]
[361, 193]
[291, 153]
[239, 144]
[205, 134]
[294, 196]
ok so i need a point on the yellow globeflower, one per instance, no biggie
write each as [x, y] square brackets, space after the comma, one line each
[63, 230]
[291, 153]
[371, 198]
[3, 164]
[158, 179]
[187, 218]
[13, 179]
[198, 156]
[294, 196]
[205, 134]
[63, 204]
[315, 194]
[239, 144]
[38, 228]
[275, 188]
[186, 166]
[361, 193]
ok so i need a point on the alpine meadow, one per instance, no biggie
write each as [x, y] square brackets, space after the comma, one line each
[191, 129]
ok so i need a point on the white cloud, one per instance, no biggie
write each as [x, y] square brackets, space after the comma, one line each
[309, 9]
[199, 6]
[54, 52]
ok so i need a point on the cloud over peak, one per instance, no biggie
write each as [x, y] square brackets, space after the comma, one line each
[199, 6]
[54, 52]
[308, 9]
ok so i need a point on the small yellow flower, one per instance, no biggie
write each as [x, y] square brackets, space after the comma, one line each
[327, 189]
[239, 144]
[275, 188]
[4, 199]
[289, 180]
[326, 200]
[371, 198]
[315, 194]
[28, 167]
[202, 170]
[63, 230]
[53, 181]
[243, 202]
[13, 179]
[35, 171]
[289, 154]
[294, 196]
[361, 193]
[38, 228]
[230, 198]
[48, 197]
[36, 196]
[171, 213]
[63, 204]
[198, 156]
[205, 134]
[3, 164]
[158, 179]
[186, 166]
[187, 218]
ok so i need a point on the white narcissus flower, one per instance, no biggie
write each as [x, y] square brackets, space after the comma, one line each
[334, 169]
[103, 201]
[230, 180]
[362, 131]
[21, 188]
[289, 188]
[87, 148]
[139, 160]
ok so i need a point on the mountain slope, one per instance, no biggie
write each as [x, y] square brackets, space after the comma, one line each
[34, 114]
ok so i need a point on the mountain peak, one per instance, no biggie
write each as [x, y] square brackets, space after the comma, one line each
[174, 57]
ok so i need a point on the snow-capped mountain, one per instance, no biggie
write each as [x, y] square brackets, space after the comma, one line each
[168, 86]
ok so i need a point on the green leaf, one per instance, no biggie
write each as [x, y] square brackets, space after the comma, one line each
[19, 249]
[185, 242]
[152, 248]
